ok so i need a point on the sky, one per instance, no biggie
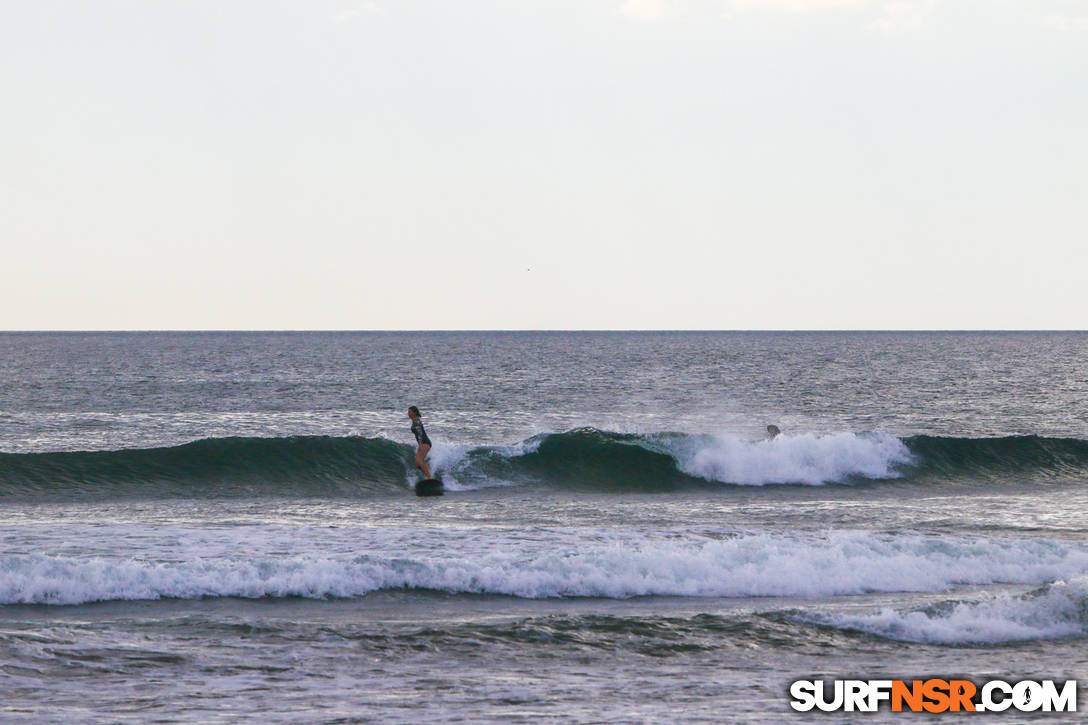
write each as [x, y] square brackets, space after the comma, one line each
[528, 164]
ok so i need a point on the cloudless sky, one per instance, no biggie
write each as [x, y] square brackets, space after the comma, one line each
[531, 164]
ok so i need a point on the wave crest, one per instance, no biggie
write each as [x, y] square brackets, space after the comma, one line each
[584, 459]
[299, 465]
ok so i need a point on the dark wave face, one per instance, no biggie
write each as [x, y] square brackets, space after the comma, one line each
[305, 465]
[584, 459]
[993, 457]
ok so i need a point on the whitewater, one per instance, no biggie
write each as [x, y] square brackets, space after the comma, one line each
[556, 563]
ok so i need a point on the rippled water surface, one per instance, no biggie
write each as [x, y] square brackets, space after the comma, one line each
[220, 527]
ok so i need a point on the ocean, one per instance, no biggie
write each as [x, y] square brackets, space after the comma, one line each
[220, 527]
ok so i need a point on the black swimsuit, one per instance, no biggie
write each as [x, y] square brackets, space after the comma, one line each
[419, 433]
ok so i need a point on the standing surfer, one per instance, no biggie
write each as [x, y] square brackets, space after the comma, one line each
[422, 440]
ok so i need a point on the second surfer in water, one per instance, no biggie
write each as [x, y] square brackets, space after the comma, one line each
[422, 440]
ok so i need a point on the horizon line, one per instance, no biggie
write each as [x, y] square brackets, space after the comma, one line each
[538, 330]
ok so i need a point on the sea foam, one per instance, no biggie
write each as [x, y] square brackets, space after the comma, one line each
[752, 565]
[1056, 610]
[808, 459]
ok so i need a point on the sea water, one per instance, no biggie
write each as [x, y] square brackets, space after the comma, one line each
[215, 527]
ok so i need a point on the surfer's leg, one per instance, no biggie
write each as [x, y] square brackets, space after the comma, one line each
[420, 463]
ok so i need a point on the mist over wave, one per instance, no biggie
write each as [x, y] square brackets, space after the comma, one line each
[807, 459]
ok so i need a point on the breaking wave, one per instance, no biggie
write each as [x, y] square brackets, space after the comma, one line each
[750, 565]
[1052, 611]
[582, 459]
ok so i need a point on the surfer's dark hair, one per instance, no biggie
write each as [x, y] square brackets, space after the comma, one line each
[414, 409]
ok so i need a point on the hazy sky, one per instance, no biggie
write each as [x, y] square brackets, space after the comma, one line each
[573, 164]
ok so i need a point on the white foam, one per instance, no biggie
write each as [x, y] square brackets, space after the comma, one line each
[1058, 610]
[450, 461]
[443, 458]
[598, 565]
[808, 459]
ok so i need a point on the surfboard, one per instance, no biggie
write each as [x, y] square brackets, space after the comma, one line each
[430, 487]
